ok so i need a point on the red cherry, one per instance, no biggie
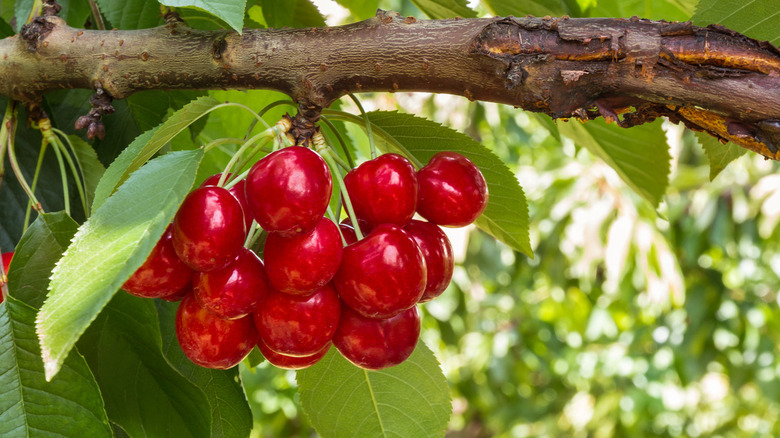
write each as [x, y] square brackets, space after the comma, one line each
[297, 325]
[304, 263]
[349, 231]
[437, 251]
[208, 229]
[383, 274]
[162, 273]
[292, 362]
[6, 258]
[233, 291]
[238, 191]
[453, 191]
[210, 341]
[377, 343]
[383, 190]
[289, 190]
[178, 295]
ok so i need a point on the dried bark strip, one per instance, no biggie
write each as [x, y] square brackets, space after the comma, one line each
[627, 70]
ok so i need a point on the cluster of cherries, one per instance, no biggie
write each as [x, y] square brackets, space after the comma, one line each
[319, 285]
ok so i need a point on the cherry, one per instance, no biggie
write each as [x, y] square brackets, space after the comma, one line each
[383, 274]
[238, 191]
[289, 190]
[383, 190]
[210, 341]
[304, 263]
[6, 259]
[162, 273]
[437, 251]
[178, 295]
[233, 291]
[377, 343]
[349, 231]
[208, 229]
[297, 325]
[292, 362]
[453, 191]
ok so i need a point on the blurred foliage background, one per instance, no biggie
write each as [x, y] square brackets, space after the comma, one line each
[629, 321]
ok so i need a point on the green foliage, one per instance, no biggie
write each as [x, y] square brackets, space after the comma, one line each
[130, 14]
[229, 11]
[36, 255]
[342, 400]
[144, 395]
[113, 243]
[230, 414]
[756, 19]
[641, 158]
[624, 324]
[719, 154]
[444, 8]
[69, 405]
[92, 169]
[148, 144]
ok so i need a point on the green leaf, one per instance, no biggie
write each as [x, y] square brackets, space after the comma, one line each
[538, 8]
[143, 394]
[36, 255]
[291, 13]
[69, 405]
[410, 399]
[131, 14]
[147, 144]
[149, 107]
[91, 167]
[230, 413]
[759, 19]
[506, 216]
[438, 9]
[669, 10]
[640, 155]
[108, 248]
[229, 11]
[718, 154]
[360, 9]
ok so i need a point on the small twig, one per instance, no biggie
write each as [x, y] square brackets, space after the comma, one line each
[99, 23]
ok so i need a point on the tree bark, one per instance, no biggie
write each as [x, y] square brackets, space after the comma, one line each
[627, 70]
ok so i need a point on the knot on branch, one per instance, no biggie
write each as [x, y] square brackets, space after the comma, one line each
[101, 105]
[35, 31]
[304, 124]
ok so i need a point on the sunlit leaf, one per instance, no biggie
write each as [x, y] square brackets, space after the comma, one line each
[438, 9]
[759, 19]
[718, 154]
[108, 248]
[229, 11]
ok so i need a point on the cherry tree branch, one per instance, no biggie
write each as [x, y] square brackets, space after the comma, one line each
[629, 71]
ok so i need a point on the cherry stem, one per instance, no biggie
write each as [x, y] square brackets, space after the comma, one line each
[368, 125]
[332, 217]
[247, 144]
[34, 184]
[327, 153]
[253, 235]
[77, 171]
[340, 140]
[237, 179]
[220, 141]
[7, 134]
[96, 15]
[267, 108]
[63, 177]
[347, 117]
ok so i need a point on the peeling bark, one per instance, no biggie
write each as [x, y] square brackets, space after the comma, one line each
[629, 71]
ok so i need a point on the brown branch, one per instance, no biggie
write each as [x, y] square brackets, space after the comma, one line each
[627, 70]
